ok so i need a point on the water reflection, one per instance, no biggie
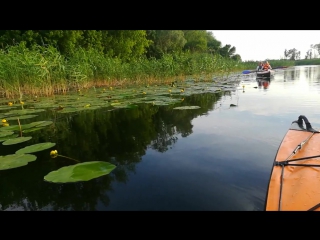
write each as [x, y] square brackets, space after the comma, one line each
[216, 157]
[120, 137]
[263, 82]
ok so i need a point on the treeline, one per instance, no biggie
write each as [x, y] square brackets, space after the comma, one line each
[126, 45]
[295, 54]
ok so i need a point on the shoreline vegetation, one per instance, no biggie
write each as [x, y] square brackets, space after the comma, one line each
[44, 71]
[50, 62]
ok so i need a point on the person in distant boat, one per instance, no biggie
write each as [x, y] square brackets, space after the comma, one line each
[260, 67]
[269, 65]
[266, 66]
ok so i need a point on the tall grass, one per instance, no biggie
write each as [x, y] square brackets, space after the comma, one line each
[315, 61]
[44, 71]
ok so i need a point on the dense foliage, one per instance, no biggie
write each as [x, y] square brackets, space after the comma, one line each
[127, 45]
[45, 62]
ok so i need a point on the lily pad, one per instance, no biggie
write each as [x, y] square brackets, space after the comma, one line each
[6, 107]
[126, 106]
[5, 133]
[15, 160]
[21, 117]
[26, 126]
[8, 137]
[36, 147]
[32, 129]
[43, 123]
[186, 107]
[80, 172]
[24, 111]
[16, 140]
[71, 110]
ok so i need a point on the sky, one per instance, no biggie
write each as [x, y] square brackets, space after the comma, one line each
[259, 45]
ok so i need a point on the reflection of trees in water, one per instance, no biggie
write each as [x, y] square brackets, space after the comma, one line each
[291, 74]
[312, 73]
[296, 74]
[170, 123]
[120, 137]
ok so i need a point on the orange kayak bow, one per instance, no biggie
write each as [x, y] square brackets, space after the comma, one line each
[295, 177]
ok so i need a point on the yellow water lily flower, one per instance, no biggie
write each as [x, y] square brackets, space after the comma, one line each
[5, 124]
[169, 90]
[10, 103]
[4, 120]
[54, 153]
[21, 102]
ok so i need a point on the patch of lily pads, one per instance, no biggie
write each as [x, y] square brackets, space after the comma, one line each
[88, 100]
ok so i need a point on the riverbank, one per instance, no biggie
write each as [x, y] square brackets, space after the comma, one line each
[43, 71]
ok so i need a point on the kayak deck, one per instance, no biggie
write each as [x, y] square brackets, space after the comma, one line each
[294, 182]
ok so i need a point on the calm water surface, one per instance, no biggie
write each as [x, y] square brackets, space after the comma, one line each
[213, 158]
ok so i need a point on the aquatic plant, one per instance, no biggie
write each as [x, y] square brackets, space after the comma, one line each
[13, 132]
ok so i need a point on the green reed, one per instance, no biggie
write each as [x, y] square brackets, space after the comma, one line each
[44, 71]
[314, 61]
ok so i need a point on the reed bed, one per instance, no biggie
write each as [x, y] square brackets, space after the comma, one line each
[44, 71]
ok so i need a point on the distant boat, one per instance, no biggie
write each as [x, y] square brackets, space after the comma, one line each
[265, 74]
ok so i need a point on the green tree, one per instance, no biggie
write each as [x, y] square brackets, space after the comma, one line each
[308, 54]
[65, 40]
[169, 41]
[213, 45]
[292, 54]
[196, 40]
[152, 51]
[227, 51]
[236, 57]
[316, 47]
[286, 54]
[92, 39]
[126, 44]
